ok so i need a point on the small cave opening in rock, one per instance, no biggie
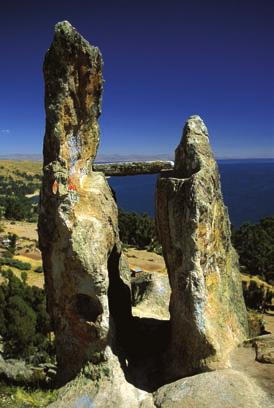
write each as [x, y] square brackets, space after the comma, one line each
[88, 307]
[141, 342]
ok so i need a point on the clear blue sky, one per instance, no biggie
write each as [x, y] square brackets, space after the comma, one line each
[164, 60]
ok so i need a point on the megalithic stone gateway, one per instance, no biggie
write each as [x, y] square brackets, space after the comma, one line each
[78, 223]
[208, 315]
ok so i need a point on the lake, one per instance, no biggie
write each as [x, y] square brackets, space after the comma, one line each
[247, 185]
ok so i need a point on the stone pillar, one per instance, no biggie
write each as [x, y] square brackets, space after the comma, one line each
[208, 315]
[78, 227]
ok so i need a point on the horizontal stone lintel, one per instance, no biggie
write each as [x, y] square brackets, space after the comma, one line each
[133, 168]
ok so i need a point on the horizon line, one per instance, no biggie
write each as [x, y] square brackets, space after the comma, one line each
[130, 157]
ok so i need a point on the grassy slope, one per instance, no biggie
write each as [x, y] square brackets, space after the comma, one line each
[10, 167]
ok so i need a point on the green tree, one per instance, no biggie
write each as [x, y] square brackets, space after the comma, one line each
[24, 323]
[13, 241]
[21, 327]
[136, 229]
[2, 312]
[255, 246]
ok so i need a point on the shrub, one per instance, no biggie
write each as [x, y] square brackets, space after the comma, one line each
[136, 229]
[255, 246]
[23, 266]
[257, 297]
[24, 323]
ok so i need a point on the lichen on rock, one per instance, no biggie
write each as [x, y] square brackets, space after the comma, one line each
[208, 315]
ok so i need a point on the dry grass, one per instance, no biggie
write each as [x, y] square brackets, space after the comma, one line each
[21, 228]
[10, 167]
[147, 261]
[33, 278]
[34, 262]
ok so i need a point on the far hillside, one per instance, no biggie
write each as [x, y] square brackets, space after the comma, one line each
[19, 189]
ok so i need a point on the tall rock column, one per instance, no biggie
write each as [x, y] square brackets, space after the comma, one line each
[78, 227]
[208, 315]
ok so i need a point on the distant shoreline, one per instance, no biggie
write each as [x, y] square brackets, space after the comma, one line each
[124, 158]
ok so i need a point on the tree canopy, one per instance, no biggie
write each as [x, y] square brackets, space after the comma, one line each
[255, 246]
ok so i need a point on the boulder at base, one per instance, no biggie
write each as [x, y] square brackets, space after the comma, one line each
[217, 389]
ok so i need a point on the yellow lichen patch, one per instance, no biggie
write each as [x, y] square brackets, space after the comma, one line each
[202, 230]
[86, 183]
[212, 280]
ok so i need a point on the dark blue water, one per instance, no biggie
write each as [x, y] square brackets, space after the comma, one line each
[247, 185]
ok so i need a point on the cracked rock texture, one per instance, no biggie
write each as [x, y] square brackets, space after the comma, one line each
[208, 315]
[78, 227]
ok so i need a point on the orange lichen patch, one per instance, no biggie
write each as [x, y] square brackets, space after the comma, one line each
[55, 187]
[72, 187]
[73, 183]
[71, 180]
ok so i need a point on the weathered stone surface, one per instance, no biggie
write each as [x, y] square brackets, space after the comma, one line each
[264, 347]
[208, 315]
[224, 388]
[150, 295]
[78, 227]
[133, 168]
[256, 324]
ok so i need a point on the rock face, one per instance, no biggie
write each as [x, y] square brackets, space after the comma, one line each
[150, 295]
[78, 227]
[208, 315]
[264, 347]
